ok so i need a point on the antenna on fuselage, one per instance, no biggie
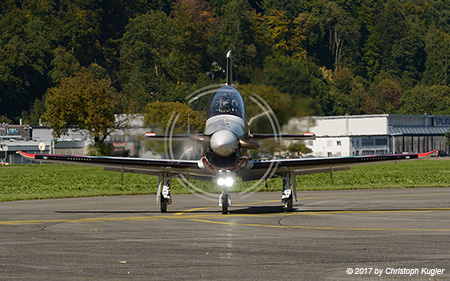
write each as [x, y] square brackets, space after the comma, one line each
[229, 73]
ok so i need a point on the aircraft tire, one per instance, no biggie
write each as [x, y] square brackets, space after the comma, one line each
[225, 204]
[289, 204]
[163, 204]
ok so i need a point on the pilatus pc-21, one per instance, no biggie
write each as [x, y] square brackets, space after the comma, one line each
[225, 143]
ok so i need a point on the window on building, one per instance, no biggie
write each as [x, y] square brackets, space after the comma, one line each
[368, 142]
[367, 152]
[329, 143]
[381, 142]
[338, 143]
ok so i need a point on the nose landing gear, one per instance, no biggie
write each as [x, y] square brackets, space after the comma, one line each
[224, 201]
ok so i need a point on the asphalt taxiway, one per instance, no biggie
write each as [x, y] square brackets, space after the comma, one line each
[330, 235]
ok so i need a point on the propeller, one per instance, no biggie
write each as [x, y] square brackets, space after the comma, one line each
[201, 139]
[224, 142]
[249, 144]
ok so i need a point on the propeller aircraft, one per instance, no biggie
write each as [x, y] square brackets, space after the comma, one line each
[225, 142]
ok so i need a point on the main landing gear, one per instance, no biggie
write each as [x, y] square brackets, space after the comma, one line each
[289, 192]
[287, 200]
[163, 197]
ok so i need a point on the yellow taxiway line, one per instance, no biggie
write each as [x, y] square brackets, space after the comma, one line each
[206, 217]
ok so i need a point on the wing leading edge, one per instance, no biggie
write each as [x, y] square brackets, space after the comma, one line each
[256, 169]
[320, 165]
[127, 164]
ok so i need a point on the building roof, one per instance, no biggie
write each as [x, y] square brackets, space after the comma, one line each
[418, 130]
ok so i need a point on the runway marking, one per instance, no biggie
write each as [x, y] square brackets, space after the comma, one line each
[320, 197]
[322, 227]
[187, 214]
[84, 220]
[192, 210]
[236, 205]
[218, 216]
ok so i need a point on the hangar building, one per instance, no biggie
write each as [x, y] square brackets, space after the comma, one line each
[357, 135]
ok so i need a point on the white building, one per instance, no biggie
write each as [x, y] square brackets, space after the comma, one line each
[374, 134]
[39, 139]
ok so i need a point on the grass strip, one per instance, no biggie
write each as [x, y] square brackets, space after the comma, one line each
[43, 181]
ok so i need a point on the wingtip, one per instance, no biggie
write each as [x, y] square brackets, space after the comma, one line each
[26, 155]
[427, 153]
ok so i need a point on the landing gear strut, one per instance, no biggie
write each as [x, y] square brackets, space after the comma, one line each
[289, 192]
[163, 197]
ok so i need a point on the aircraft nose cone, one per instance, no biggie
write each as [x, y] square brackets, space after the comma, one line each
[223, 143]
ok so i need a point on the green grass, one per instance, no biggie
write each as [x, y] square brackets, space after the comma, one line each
[23, 182]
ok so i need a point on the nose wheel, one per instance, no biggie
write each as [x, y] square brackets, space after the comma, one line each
[224, 201]
[225, 204]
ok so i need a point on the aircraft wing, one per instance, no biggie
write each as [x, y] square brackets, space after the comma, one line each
[305, 136]
[304, 166]
[189, 168]
[199, 138]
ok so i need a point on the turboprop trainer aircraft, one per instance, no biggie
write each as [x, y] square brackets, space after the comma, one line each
[225, 143]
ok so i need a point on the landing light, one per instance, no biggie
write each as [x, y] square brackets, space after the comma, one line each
[225, 181]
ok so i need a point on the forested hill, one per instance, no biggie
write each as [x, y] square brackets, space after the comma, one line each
[322, 57]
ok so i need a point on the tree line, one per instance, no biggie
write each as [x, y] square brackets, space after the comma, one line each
[308, 57]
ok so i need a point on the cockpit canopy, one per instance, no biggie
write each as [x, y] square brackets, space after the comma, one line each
[227, 100]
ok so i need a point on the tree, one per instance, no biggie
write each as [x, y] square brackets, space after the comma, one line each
[286, 37]
[84, 102]
[236, 32]
[33, 116]
[146, 57]
[26, 41]
[299, 148]
[423, 99]
[280, 103]
[391, 26]
[301, 79]
[277, 26]
[191, 21]
[79, 27]
[292, 7]
[347, 91]
[383, 96]
[64, 64]
[438, 58]
[300, 28]
[5, 119]
[158, 114]
[343, 31]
